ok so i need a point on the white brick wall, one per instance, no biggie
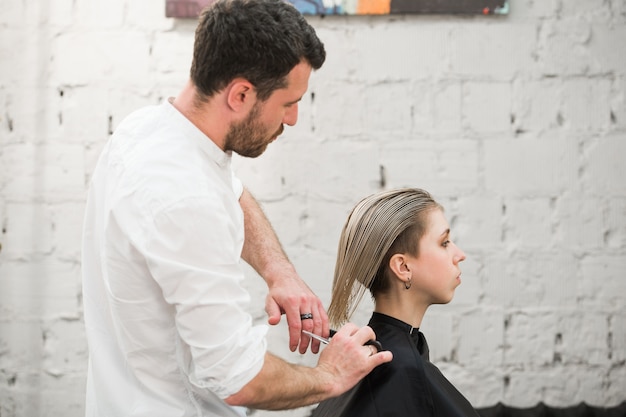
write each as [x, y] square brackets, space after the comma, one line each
[516, 123]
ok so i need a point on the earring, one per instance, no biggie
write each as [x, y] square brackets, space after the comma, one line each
[407, 284]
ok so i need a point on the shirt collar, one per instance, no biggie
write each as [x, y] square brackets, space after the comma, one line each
[190, 130]
[392, 321]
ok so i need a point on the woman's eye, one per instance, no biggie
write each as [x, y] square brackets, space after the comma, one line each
[445, 244]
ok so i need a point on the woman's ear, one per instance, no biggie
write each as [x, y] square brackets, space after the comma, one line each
[400, 268]
[241, 95]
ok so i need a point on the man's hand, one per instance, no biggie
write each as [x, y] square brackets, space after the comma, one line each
[341, 365]
[347, 359]
[288, 293]
[291, 296]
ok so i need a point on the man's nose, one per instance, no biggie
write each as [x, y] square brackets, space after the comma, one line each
[291, 115]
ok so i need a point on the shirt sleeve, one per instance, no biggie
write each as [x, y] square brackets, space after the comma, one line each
[193, 252]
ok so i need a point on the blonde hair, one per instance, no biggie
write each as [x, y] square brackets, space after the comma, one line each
[379, 226]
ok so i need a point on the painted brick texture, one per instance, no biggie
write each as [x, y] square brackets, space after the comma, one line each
[517, 124]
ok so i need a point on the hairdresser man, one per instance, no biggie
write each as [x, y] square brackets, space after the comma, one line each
[167, 224]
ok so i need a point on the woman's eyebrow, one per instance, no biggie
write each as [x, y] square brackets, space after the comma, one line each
[445, 232]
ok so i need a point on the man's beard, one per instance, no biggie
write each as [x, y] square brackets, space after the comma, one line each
[248, 137]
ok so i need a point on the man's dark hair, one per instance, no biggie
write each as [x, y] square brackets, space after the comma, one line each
[259, 40]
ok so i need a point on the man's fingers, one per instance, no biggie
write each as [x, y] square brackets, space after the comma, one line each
[308, 316]
[364, 333]
[303, 310]
[381, 357]
[273, 311]
[295, 327]
[320, 325]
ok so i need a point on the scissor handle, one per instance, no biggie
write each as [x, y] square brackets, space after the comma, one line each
[375, 343]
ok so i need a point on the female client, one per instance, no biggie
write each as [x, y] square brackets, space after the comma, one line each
[397, 245]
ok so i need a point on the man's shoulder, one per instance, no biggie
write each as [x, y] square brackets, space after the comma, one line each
[158, 161]
[140, 118]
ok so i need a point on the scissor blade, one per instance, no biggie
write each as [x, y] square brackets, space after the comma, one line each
[374, 343]
[316, 337]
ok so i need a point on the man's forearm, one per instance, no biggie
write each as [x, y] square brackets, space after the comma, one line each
[281, 385]
[288, 294]
[342, 364]
[261, 248]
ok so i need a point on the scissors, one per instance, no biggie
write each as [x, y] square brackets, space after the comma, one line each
[375, 343]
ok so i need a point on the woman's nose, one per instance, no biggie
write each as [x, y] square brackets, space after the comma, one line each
[460, 255]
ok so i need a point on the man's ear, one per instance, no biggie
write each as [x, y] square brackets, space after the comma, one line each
[241, 95]
[398, 265]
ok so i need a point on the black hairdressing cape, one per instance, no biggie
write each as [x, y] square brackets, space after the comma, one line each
[408, 386]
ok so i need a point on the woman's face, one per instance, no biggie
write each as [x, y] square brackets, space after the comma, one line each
[435, 273]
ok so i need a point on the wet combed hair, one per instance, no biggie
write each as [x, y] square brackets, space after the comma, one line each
[259, 40]
[378, 227]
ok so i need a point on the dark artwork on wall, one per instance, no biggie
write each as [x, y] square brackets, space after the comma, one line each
[191, 8]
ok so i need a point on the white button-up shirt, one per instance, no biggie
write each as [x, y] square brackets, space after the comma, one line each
[165, 316]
